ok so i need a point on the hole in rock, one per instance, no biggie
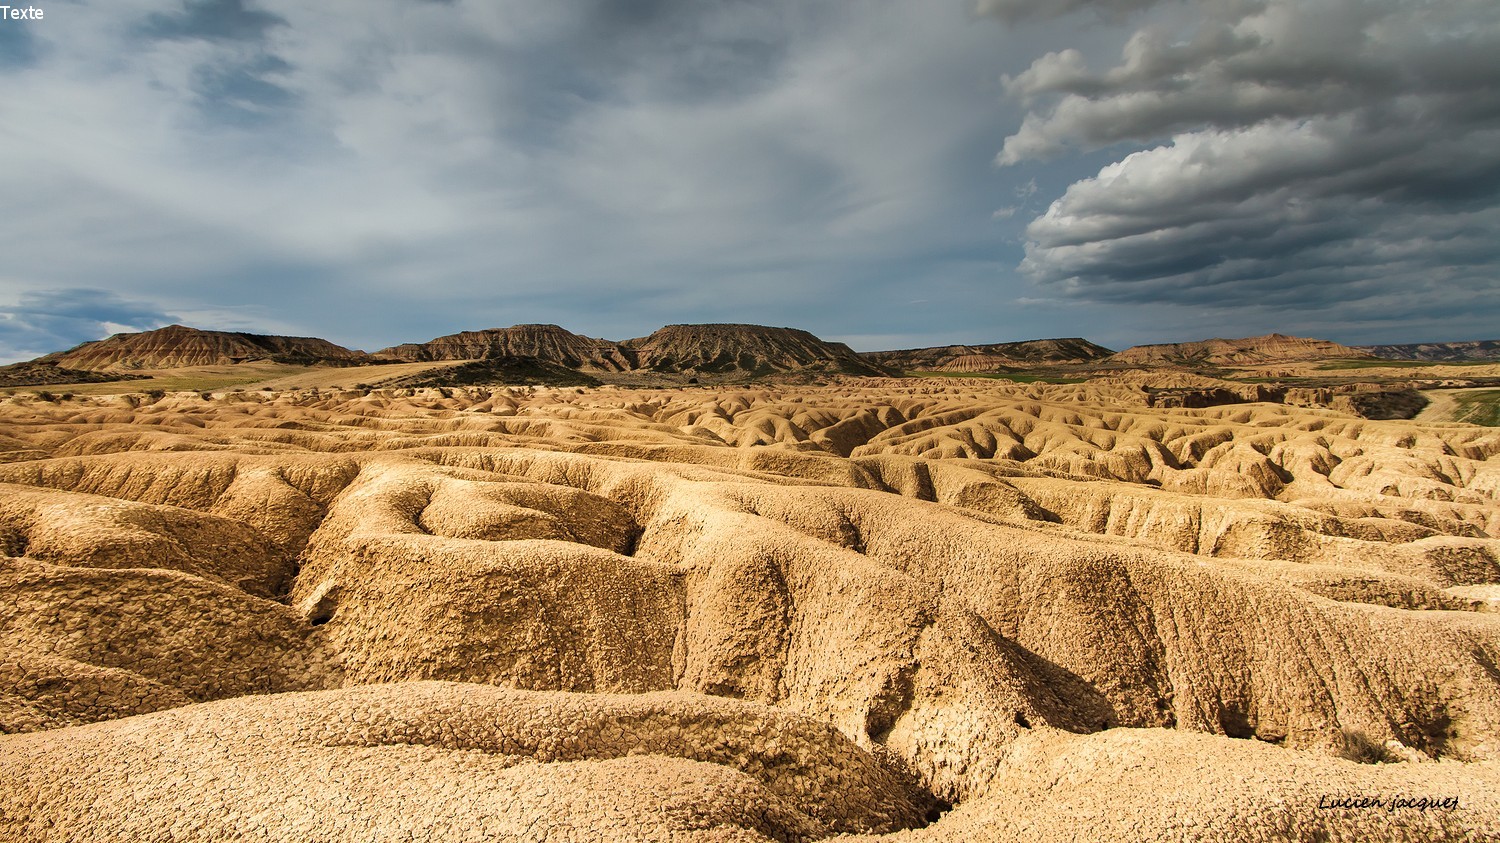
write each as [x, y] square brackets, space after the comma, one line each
[323, 610]
[14, 544]
[283, 590]
[631, 541]
[1022, 721]
[938, 809]
[1236, 724]
[1435, 735]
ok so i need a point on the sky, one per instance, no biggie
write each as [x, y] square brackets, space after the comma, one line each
[888, 173]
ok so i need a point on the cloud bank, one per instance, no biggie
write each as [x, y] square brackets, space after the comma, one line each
[1341, 155]
[380, 171]
[390, 170]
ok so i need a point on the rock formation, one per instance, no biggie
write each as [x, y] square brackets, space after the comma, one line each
[993, 357]
[744, 350]
[1437, 351]
[176, 346]
[716, 351]
[1272, 348]
[546, 343]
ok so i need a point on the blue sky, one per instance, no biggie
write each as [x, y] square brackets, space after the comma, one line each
[884, 172]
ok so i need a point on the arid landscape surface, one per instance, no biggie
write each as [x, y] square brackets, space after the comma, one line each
[1220, 591]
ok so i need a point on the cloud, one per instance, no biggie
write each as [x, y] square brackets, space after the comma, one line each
[361, 160]
[17, 47]
[211, 19]
[378, 171]
[1329, 155]
[47, 321]
[1019, 11]
[1287, 60]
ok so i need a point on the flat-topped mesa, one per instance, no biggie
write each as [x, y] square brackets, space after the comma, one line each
[1437, 352]
[728, 349]
[177, 346]
[991, 357]
[1271, 348]
[547, 343]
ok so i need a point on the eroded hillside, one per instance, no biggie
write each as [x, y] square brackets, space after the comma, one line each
[177, 346]
[946, 610]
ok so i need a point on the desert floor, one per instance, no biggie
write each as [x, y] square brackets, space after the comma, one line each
[947, 609]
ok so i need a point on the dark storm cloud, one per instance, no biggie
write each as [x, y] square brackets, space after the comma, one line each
[243, 92]
[1320, 155]
[1288, 61]
[1018, 11]
[212, 20]
[233, 75]
[669, 50]
[51, 320]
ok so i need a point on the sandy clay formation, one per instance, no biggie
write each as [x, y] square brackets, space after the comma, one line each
[936, 610]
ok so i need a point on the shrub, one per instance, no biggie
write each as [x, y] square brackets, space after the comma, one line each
[1360, 747]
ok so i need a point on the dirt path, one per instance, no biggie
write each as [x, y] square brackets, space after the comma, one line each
[1444, 403]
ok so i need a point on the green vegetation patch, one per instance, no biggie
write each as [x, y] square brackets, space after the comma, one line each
[187, 382]
[1478, 407]
[1001, 376]
[526, 371]
[48, 374]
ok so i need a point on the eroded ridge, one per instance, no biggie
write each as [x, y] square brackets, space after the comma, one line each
[742, 614]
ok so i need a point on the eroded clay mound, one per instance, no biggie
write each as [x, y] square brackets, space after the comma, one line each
[741, 615]
[453, 762]
[1151, 784]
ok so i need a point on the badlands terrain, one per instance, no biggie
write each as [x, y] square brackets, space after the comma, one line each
[746, 585]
